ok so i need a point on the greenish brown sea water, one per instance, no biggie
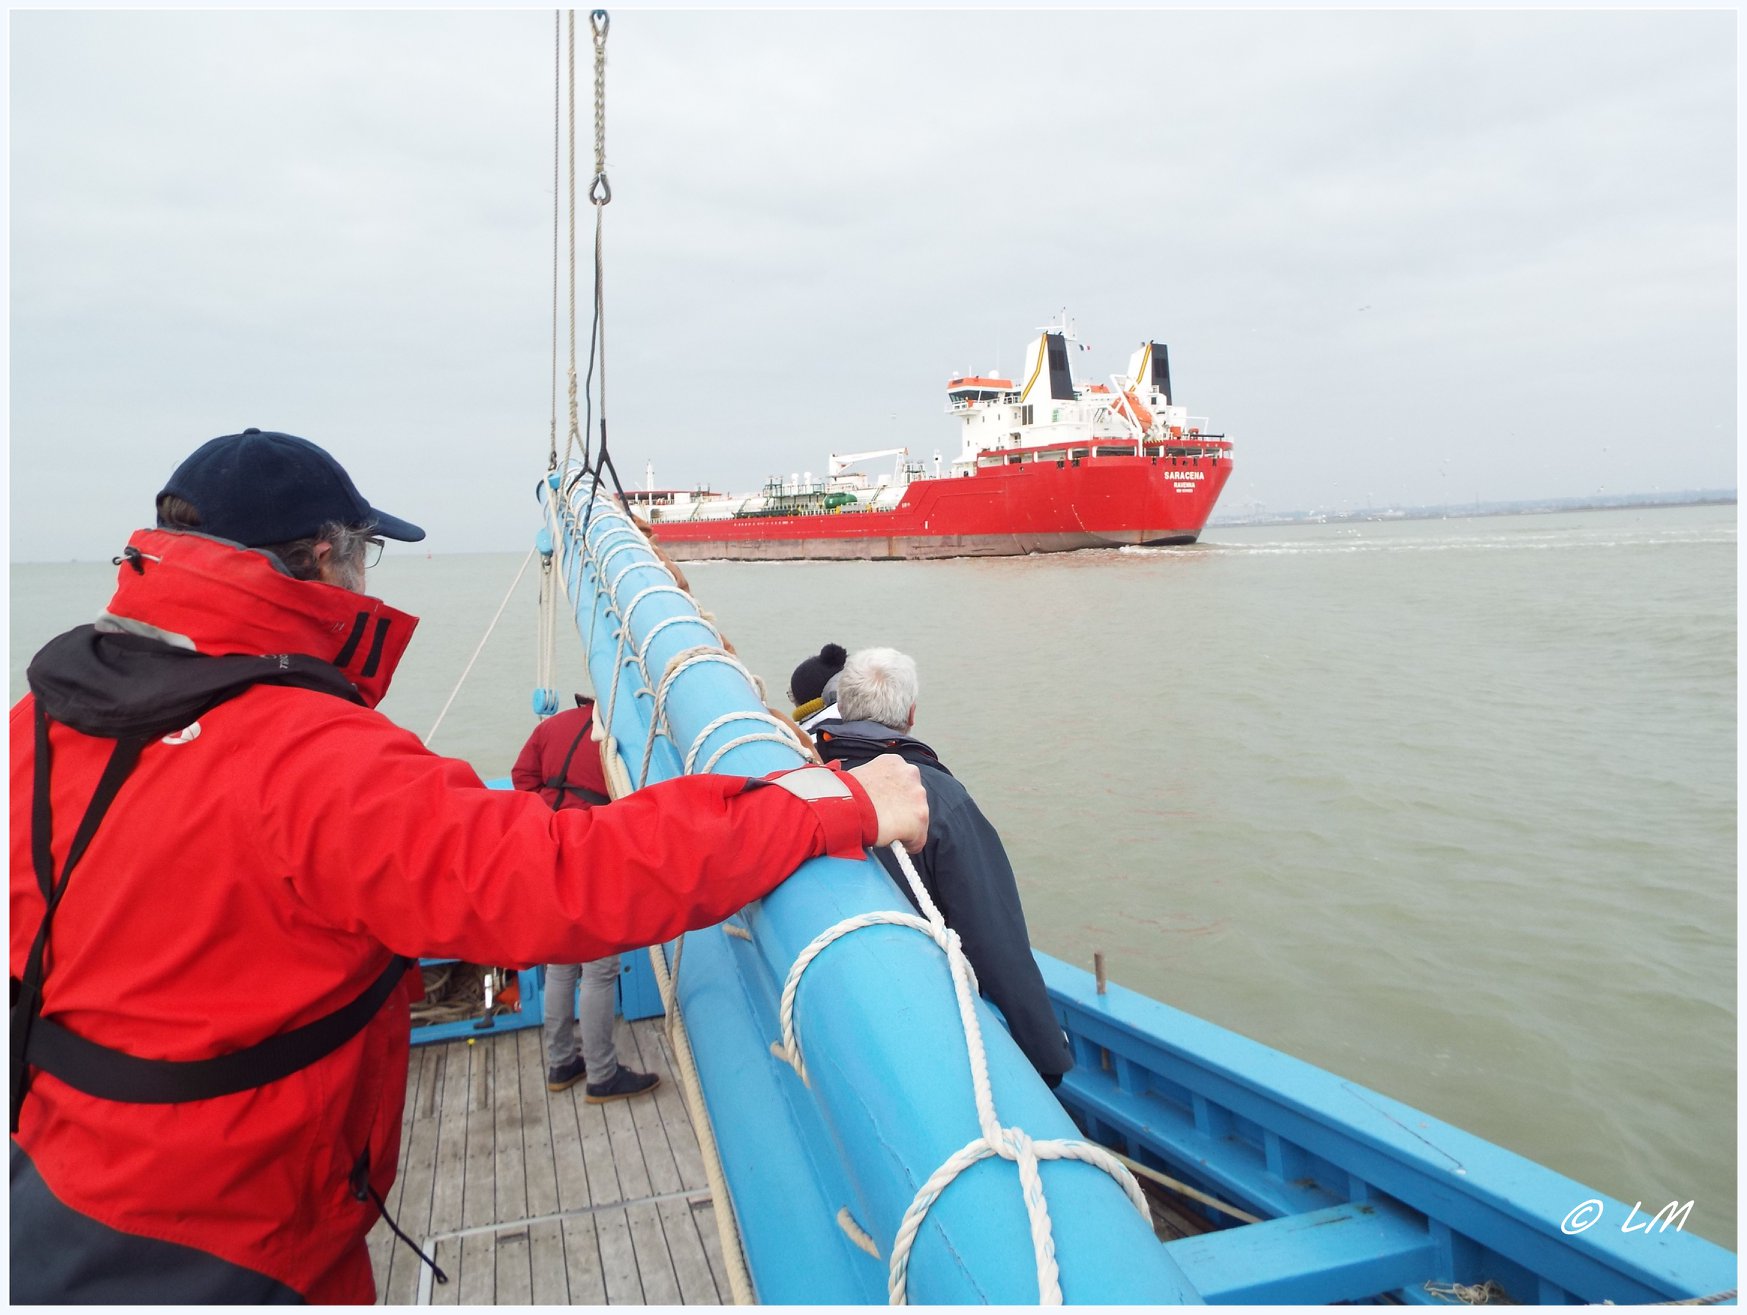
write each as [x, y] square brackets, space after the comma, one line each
[1447, 807]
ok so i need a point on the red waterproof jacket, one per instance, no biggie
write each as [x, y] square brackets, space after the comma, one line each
[561, 761]
[257, 870]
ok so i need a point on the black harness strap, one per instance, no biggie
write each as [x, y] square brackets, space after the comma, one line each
[115, 1075]
[561, 782]
[27, 1012]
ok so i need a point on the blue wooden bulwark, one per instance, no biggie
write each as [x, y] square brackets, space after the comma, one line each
[1355, 1189]
[639, 994]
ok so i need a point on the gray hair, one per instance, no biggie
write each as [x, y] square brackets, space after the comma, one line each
[878, 684]
[298, 558]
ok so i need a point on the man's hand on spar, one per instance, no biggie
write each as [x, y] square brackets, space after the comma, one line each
[895, 787]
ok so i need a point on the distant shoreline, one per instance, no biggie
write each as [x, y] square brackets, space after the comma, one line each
[1470, 511]
[1464, 511]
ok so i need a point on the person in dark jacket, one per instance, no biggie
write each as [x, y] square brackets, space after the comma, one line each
[561, 762]
[963, 866]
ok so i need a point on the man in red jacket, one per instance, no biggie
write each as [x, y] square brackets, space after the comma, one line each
[561, 762]
[209, 1035]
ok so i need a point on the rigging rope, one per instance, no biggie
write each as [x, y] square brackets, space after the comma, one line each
[618, 776]
[467, 670]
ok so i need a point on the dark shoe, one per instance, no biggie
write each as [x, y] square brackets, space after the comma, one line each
[624, 1084]
[566, 1076]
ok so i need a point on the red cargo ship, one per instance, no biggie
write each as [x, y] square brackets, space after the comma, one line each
[1047, 467]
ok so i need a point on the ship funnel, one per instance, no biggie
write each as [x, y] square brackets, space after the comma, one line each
[1047, 377]
[1150, 368]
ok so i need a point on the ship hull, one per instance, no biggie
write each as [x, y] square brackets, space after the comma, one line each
[1002, 511]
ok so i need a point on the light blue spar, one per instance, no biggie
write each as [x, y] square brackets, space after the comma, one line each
[888, 1097]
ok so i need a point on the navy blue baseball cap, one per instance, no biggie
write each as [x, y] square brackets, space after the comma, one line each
[256, 489]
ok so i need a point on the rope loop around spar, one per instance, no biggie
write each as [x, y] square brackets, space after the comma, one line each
[651, 564]
[659, 626]
[627, 545]
[727, 719]
[994, 1140]
[682, 661]
[790, 1048]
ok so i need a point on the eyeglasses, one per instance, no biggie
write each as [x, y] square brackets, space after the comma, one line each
[372, 552]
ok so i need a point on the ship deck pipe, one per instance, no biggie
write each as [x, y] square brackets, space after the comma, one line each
[889, 1097]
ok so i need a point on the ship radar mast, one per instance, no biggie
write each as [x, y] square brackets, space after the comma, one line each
[1064, 326]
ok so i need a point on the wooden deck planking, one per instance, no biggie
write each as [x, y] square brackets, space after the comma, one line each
[582, 1258]
[551, 1285]
[704, 1216]
[676, 1118]
[398, 1283]
[691, 1267]
[530, 1197]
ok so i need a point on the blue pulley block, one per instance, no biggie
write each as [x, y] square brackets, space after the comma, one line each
[545, 702]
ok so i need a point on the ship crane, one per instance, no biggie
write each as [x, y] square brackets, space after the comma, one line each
[839, 465]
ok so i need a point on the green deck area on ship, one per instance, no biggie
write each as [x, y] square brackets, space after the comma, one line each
[537, 1198]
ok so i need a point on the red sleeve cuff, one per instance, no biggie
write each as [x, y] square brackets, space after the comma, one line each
[846, 817]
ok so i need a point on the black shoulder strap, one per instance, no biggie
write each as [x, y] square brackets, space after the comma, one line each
[28, 1010]
[113, 1074]
[561, 782]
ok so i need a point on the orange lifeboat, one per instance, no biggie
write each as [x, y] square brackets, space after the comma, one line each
[1130, 406]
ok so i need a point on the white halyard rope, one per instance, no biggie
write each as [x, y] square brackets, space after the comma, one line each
[1010, 1143]
[480, 648]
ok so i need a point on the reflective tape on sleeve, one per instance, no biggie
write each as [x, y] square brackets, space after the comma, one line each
[813, 784]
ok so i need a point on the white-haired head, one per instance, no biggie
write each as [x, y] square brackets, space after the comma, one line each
[878, 684]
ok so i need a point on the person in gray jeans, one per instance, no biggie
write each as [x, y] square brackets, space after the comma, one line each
[579, 1041]
[561, 762]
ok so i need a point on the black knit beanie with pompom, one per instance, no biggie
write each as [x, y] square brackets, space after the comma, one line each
[808, 682]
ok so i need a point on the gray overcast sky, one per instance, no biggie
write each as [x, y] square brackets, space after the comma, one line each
[1399, 257]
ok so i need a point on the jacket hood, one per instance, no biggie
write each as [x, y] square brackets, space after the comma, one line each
[856, 742]
[123, 685]
[182, 597]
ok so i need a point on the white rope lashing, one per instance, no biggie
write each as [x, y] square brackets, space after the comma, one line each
[684, 660]
[647, 564]
[658, 627]
[728, 719]
[1009, 1143]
